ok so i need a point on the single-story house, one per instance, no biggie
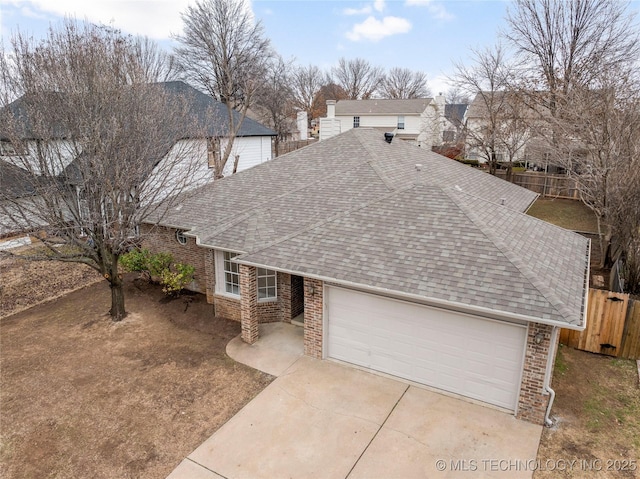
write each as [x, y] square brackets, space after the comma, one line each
[396, 259]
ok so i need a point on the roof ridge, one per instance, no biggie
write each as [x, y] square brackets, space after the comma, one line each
[374, 163]
[247, 212]
[334, 217]
[557, 304]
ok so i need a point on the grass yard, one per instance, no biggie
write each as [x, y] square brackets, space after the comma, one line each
[569, 214]
[83, 396]
[597, 408]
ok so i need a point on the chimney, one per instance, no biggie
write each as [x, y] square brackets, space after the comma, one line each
[331, 108]
[388, 137]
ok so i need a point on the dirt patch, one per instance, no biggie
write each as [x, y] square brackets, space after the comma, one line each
[598, 418]
[83, 396]
[26, 283]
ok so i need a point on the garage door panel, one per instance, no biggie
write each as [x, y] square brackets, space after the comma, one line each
[474, 357]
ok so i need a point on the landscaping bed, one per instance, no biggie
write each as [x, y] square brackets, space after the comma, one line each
[83, 396]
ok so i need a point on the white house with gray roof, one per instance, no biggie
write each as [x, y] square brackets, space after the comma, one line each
[420, 121]
[394, 259]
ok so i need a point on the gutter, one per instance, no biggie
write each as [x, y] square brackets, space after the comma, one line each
[434, 302]
[547, 376]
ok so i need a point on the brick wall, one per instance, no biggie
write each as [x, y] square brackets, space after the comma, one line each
[249, 304]
[313, 309]
[160, 239]
[532, 403]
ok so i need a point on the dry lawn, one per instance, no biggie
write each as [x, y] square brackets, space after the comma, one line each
[568, 214]
[598, 411]
[83, 396]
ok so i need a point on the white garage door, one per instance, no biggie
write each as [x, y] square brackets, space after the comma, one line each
[466, 355]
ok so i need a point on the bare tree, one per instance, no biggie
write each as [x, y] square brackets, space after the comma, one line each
[496, 124]
[455, 95]
[306, 83]
[85, 133]
[328, 91]
[567, 42]
[224, 51]
[275, 101]
[581, 54]
[403, 83]
[358, 78]
[157, 64]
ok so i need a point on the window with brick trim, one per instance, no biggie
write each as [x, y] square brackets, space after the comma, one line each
[266, 281]
[227, 274]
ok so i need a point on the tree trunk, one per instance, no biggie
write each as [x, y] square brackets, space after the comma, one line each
[117, 310]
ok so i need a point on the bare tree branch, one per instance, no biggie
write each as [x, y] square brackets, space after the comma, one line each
[402, 83]
[358, 78]
[224, 51]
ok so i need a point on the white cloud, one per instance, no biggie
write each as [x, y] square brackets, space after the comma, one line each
[374, 30]
[378, 5]
[437, 10]
[357, 11]
[156, 19]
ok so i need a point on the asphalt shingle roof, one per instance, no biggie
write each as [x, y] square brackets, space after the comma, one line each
[355, 209]
[382, 107]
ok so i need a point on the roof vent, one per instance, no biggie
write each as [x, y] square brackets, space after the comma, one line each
[388, 137]
[503, 201]
[419, 166]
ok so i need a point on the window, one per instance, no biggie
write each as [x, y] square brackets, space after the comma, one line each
[227, 274]
[356, 122]
[180, 237]
[266, 284]
[401, 122]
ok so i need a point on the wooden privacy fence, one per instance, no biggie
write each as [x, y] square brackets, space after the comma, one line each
[545, 184]
[613, 326]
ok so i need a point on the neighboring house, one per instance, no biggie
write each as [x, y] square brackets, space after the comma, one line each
[455, 115]
[505, 124]
[420, 121]
[19, 195]
[396, 259]
[205, 137]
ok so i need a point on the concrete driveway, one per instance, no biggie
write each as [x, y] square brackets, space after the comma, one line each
[321, 419]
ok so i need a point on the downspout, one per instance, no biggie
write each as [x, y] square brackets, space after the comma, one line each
[547, 376]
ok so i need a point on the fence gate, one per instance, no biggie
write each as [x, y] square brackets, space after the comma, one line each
[606, 315]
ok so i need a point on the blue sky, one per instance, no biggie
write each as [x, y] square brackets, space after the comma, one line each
[423, 35]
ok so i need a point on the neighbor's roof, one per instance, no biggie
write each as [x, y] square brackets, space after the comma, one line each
[210, 117]
[356, 210]
[382, 107]
[454, 112]
[15, 182]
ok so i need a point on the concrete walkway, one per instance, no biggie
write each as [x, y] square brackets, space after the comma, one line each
[321, 419]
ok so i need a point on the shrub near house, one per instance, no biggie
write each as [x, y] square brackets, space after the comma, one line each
[173, 277]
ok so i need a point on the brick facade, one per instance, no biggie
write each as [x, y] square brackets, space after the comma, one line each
[160, 239]
[313, 314]
[533, 402]
[297, 294]
[249, 304]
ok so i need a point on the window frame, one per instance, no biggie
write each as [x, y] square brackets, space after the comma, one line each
[356, 122]
[401, 122]
[265, 274]
[181, 238]
[223, 258]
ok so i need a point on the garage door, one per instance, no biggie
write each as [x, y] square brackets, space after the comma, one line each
[466, 355]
